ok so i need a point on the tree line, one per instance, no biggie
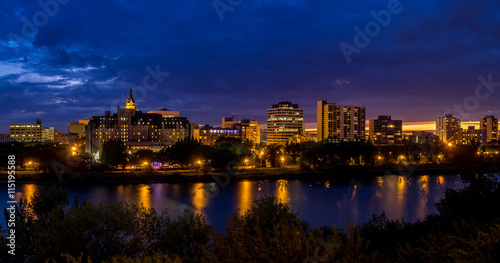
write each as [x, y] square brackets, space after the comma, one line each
[189, 154]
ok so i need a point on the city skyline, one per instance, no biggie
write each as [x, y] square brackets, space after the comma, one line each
[309, 126]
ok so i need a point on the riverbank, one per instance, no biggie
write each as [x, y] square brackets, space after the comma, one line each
[191, 175]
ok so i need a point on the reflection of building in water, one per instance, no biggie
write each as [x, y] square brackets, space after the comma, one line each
[423, 196]
[282, 191]
[392, 195]
[144, 195]
[441, 180]
[245, 196]
[401, 196]
[199, 196]
[29, 190]
[354, 203]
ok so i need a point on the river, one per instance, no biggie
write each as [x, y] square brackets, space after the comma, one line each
[321, 203]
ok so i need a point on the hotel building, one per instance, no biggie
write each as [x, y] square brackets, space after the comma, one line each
[284, 122]
[385, 131]
[340, 122]
[135, 129]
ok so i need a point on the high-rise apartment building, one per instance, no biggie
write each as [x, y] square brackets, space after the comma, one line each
[385, 131]
[447, 128]
[489, 129]
[468, 136]
[340, 122]
[285, 121]
[135, 129]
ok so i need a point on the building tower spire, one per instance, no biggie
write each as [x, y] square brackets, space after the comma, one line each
[130, 101]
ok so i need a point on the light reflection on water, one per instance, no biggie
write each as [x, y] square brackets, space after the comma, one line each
[319, 202]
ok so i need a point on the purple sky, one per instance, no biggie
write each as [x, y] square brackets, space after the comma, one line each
[85, 56]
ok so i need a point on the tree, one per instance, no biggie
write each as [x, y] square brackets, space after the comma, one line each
[187, 152]
[114, 153]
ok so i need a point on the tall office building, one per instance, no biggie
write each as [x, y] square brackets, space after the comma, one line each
[385, 131]
[447, 128]
[135, 129]
[26, 132]
[285, 121]
[489, 129]
[340, 122]
[250, 131]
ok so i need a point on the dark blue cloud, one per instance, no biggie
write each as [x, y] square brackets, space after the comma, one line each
[87, 56]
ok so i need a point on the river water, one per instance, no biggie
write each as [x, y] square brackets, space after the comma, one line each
[322, 202]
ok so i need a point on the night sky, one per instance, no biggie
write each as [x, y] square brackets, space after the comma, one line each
[83, 59]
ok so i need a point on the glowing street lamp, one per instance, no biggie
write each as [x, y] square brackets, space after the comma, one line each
[449, 144]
